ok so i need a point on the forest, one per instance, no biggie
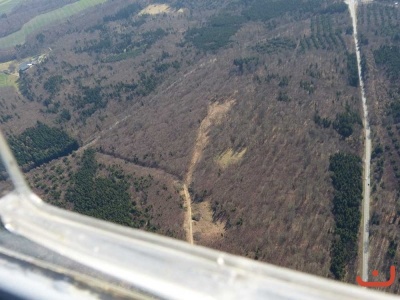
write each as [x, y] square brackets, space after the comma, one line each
[124, 13]
[40, 144]
[325, 34]
[345, 121]
[343, 124]
[107, 197]
[52, 85]
[216, 34]
[389, 58]
[219, 29]
[25, 87]
[275, 45]
[144, 86]
[346, 178]
[99, 197]
[260, 10]
[352, 69]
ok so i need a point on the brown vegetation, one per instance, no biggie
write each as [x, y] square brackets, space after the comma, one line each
[157, 101]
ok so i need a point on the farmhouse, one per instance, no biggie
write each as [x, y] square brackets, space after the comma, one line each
[24, 66]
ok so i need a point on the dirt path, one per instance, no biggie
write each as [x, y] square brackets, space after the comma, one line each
[122, 117]
[367, 152]
[93, 140]
[214, 115]
[188, 203]
[87, 145]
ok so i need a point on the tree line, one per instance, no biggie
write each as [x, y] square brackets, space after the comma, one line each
[389, 58]
[107, 197]
[40, 144]
[347, 182]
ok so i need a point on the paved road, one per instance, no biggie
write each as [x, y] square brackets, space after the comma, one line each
[367, 152]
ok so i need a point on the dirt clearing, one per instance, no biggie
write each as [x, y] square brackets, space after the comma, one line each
[229, 157]
[155, 9]
[203, 226]
[216, 111]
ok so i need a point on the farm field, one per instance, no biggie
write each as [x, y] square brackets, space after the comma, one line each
[40, 21]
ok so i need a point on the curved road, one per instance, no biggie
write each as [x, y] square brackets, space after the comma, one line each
[367, 152]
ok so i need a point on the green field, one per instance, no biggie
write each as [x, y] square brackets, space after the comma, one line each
[7, 5]
[40, 21]
[3, 79]
[8, 80]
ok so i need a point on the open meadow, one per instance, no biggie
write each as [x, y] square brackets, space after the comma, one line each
[7, 5]
[8, 80]
[42, 20]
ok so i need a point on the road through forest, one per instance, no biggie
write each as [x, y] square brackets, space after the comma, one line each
[215, 112]
[367, 151]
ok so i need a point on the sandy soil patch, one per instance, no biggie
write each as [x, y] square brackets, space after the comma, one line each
[229, 157]
[204, 228]
[155, 9]
[216, 112]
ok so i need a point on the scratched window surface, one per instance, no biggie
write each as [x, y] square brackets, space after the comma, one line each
[44, 273]
[51, 275]
[6, 185]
